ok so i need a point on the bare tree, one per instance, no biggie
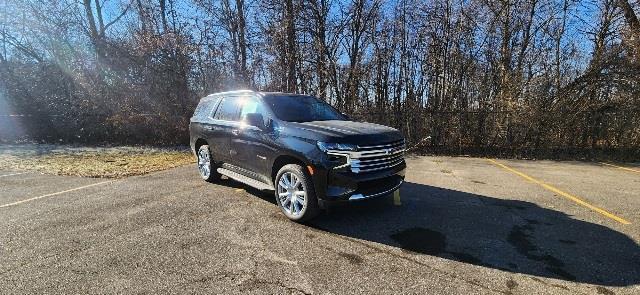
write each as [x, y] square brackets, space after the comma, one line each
[511, 77]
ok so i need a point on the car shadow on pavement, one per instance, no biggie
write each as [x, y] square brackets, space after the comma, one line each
[510, 235]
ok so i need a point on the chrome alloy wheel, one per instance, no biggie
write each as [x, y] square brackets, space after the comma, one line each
[204, 163]
[291, 194]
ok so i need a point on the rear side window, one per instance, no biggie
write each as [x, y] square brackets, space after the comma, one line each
[229, 109]
[205, 107]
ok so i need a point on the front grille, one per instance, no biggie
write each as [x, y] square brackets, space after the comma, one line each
[377, 157]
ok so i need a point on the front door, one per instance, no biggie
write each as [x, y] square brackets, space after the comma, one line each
[253, 146]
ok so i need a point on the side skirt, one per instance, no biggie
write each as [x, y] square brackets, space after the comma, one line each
[246, 180]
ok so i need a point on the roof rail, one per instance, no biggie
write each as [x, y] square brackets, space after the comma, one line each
[233, 92]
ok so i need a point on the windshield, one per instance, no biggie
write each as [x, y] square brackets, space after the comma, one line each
[301, 108]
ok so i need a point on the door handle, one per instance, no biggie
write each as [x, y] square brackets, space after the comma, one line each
[208, 127]
[235, 131]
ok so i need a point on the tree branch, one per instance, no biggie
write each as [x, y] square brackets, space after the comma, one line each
[109, 24]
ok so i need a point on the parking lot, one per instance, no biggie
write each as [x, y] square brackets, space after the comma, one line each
[460, 225]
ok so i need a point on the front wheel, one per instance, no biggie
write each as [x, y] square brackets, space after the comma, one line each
[205, 165]
[295, 194]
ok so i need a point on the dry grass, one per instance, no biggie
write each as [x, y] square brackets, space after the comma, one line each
[107, 162]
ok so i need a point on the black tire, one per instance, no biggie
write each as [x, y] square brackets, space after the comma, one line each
[310, 209]
[204, 165]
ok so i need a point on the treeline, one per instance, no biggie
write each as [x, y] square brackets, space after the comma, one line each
[535, 78]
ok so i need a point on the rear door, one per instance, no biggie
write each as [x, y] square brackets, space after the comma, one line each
[201, 125]
[225, 123]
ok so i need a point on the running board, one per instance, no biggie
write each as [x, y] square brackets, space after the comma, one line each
[246, 180]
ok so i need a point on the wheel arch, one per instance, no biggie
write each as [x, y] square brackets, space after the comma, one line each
[283, 160]
[199, 142]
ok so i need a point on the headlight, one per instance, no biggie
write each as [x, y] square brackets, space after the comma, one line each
[324, 146]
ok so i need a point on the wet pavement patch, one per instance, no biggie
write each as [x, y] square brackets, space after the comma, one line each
[511, 284]
[430, 242]
[605, 291]
[352, 258]
[520, 238]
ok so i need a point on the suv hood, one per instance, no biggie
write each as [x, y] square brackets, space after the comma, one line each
[346, 132]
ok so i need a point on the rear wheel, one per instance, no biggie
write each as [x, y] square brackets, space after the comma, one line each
[205, 164]
[295, 194]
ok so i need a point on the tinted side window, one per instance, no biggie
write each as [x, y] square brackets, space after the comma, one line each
[200, 108]
[228, 110]
[205, 107]
[252, 105]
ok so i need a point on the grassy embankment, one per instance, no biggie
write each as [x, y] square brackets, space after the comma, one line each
[104, 162]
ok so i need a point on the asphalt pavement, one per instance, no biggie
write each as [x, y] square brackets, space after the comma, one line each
[459, 226]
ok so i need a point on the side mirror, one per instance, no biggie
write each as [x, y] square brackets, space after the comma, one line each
[255, 119]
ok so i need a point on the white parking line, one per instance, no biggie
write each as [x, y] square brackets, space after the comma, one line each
[12, 174]
[54, 194]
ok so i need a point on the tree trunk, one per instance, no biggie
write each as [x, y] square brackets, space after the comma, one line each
[242, 42]
[291, 46]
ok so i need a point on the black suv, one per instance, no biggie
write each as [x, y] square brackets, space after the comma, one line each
[306, 151]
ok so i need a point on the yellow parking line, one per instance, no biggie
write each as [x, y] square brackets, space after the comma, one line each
[54, 194]
[561, 193]
[620, 167]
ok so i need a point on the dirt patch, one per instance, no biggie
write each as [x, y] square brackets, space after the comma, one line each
[103, 162]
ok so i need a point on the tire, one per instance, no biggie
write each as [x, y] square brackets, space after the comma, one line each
[288, 194]
[206, 165]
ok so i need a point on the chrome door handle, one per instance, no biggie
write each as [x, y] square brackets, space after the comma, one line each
[208, 127]
[235, 131]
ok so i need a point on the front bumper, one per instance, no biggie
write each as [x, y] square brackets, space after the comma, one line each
[379, 191]
[336, 186]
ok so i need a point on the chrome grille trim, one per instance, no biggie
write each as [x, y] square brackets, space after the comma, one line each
[386, 162]
[396, 144]
[373, 158]
[385, 159]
